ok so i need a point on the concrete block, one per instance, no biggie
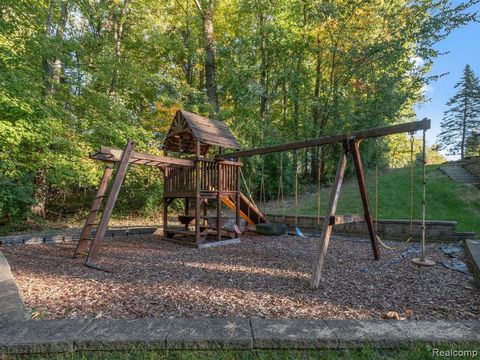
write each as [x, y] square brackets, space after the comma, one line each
[34, 240]
[475, 326]
[357, 333]
[123, 334]
[209, 334]
[437, 332]
[292, 334]
[12, 309]
[5, 273]
[8, 288]
[472, 250]
[11, 304]
[43, 336]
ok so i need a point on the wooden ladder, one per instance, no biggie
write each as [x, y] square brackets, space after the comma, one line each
[94, 244]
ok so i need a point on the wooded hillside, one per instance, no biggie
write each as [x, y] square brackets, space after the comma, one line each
[77, 74]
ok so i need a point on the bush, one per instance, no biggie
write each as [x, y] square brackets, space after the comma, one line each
[16, 199]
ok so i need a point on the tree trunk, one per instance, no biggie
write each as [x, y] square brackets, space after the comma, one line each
[187, 64]
[118, 29]
[52, 68]
[316, 111]
[210, 69]
[41, 193]
[263, 77]
[208, 11]
[464, 129]
[47, 68]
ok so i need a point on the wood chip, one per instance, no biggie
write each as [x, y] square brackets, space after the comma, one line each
[261, 277]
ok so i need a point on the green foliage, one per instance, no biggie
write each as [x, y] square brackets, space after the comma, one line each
[473, 143]
[446, 199]
[462, 119]
[433, 156]
[16, 197]
[78, 74]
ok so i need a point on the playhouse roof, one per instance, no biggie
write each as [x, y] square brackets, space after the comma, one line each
[187, 128]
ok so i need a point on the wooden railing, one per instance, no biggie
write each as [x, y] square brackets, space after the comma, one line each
[213, 176]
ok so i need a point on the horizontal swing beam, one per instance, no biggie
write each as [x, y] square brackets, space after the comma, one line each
[114, 155]
[325, 140]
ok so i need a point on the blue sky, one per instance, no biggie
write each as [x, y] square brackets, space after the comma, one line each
[463, 46]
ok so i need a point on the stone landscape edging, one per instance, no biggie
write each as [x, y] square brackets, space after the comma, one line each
[19, 335]
[437, 231]
[472, 251]
[51, 336]
[74, 235]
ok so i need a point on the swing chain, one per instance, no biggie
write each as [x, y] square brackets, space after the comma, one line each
[280, 196]
[247, 189]
[376, 185]
[319, 183]
[412, 142]
[262, 184]
[424, 185]
[296, 196]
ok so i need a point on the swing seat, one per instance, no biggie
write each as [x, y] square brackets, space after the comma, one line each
[239, 232]
[300, 233]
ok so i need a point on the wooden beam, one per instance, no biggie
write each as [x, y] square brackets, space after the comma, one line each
[107, 212]
[219, 200]
[84, 240]
[357, 160]
[198, 201]
[357, 135]
[113, 154]
[322, 246]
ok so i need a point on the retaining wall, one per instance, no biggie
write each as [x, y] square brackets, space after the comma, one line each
[437, 231]
[73, 235]
[473, 166]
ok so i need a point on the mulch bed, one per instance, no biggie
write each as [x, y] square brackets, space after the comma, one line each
[261, 277]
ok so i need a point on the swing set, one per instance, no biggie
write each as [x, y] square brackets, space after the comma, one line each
[351, 147]
[199, 179]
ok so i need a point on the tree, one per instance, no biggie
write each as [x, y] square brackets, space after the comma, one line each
[207, 10]
[77, 74]
[473, 143]
[463, 115]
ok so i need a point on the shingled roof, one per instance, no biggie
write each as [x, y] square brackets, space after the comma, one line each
[187, 128]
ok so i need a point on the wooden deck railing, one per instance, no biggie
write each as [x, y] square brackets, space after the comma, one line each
[214, 176]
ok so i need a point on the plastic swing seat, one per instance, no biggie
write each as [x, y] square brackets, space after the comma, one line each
[239, 232]
[300, 233]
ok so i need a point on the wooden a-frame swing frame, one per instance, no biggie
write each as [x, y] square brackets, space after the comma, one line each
[351, 146]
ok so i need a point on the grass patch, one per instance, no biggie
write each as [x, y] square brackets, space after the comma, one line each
[446, 199]
[414, 352]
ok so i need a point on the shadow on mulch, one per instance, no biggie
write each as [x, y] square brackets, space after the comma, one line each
[261, 277]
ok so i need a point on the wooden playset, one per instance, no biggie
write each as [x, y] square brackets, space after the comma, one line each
[197, 175]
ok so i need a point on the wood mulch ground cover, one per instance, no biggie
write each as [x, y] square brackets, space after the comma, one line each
[261, 277]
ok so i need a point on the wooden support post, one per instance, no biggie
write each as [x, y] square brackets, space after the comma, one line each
[322, 246]
[165, 215]
[84, 241]
[357, 160]
[237, 195]
[197, 194]
[107, 212]
[187, 205]
[219, 200]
